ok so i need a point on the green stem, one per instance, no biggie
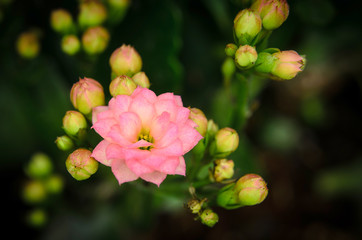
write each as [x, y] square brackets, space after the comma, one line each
[242, 107]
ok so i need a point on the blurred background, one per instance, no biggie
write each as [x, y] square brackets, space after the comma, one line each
[304, 138]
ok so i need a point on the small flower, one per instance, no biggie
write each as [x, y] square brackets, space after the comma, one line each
[226, 141]
[200, 119]
[141, 79]
[125, 60]
[272, 12]
[70, 44]
[74, 123]
[145, 136]
[61, 21]
[223, 169]
[287, 65]
[245, 57]
[122, 85]
[95, 40]
[209, 217]
[247, 25]
[80, 164]
[86, 94]
[92, 13]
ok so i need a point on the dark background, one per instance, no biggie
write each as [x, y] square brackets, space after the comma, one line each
[305, 138]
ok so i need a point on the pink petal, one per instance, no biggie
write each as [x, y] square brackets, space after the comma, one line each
[102, 127]
[130, 126]
[144, 110]
[166, 106]
[136, 167]
[159, 126]
[140, 143]
[169, 166]
[154, 177]
[175, 148]
[178, 100]
[182, 115]
[189, 137]
[154, 161]
[114, 151]
[181, 168]
[96, 111]
[116, 136]
[169, 135]
[119, 104]
[145, 93]
[99, 153]
[122, 172]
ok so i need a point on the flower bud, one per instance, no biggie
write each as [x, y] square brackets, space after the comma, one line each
[226, 141]
[70, 44]
[195, 205]
[80, 164]
[251, 189]
[200, 119]
[212, 128]
[74, 123]
[287, 65]
[228, 68]
[245, 57]
[230, 49]
[95, 40]
[92, 13]
[141, 80]
[86, 94]
[28, 45]
[223, 169]
[40, 166]
[34, 192]
[247, 25]
[125, 60]
[272, 12]
[64, 143]
[122, 85]
[265, 62]
[37, 217]
[54, 184]
[209, 217]
[61, 21]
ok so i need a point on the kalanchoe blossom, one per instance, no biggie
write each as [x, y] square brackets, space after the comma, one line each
[145, 136]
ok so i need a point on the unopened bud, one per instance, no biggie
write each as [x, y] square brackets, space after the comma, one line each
[247, 25]
[36, 218]
[74, 123]
[272, 12]
[212, 128]
[40, 166]
[64, 143]
[95, 40]
[70, 44]
[251, 189]
[223, 169]
[209, 217]
[61, 21]
[125, 60]
[200, 119]
[122, 85]
[245, 57]
[228, 68]
[80, 164]
[34, 192]
[28, 45]
[230, 49]
[86, 94]
[54, 184]
[287, 65]
[265, 62]
[226, 141]
[92, 13]
[119, 4]
[141, 80]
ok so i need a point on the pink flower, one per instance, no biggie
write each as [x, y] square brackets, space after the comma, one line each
[144, 135]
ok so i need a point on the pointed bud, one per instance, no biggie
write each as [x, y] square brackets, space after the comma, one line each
[122, 85]
[95, 40]
[272, 12]
[226, 141]
[28, 45]
[251, 189]
[230, 49]
[81, 165]
[247, 25]
[61, 21]
[86, 94]
[265, 62]
[245, 57]
[92, 13]
[200, 119]
[70, 44]
[223, 169]
[74, 123]
[287, 65]
[125, 60]
[34, 192]
[209, 217]
[40, 166]
[64, 143]
[141, 80]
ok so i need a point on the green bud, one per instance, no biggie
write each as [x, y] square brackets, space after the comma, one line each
[226, 141]
[141, 80]
[36, 218]
[54, 184]
[223, 169]
[34, 192]
[230, 49]
[212, 128]
[64, 143]
[27, 45]
[125, 60]
[209, 217]
[200, 119]
[245, 57]
[272, 12]
[80, 164]
[95, 40]
[40, 166]
[247, 25]
[92, 13]
[70, 44]
[265, 62]
[251, 189]
[61, 21]
[74, 123]
[228, 68]
[122, 85]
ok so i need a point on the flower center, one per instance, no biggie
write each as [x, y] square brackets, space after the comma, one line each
[147, 137]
